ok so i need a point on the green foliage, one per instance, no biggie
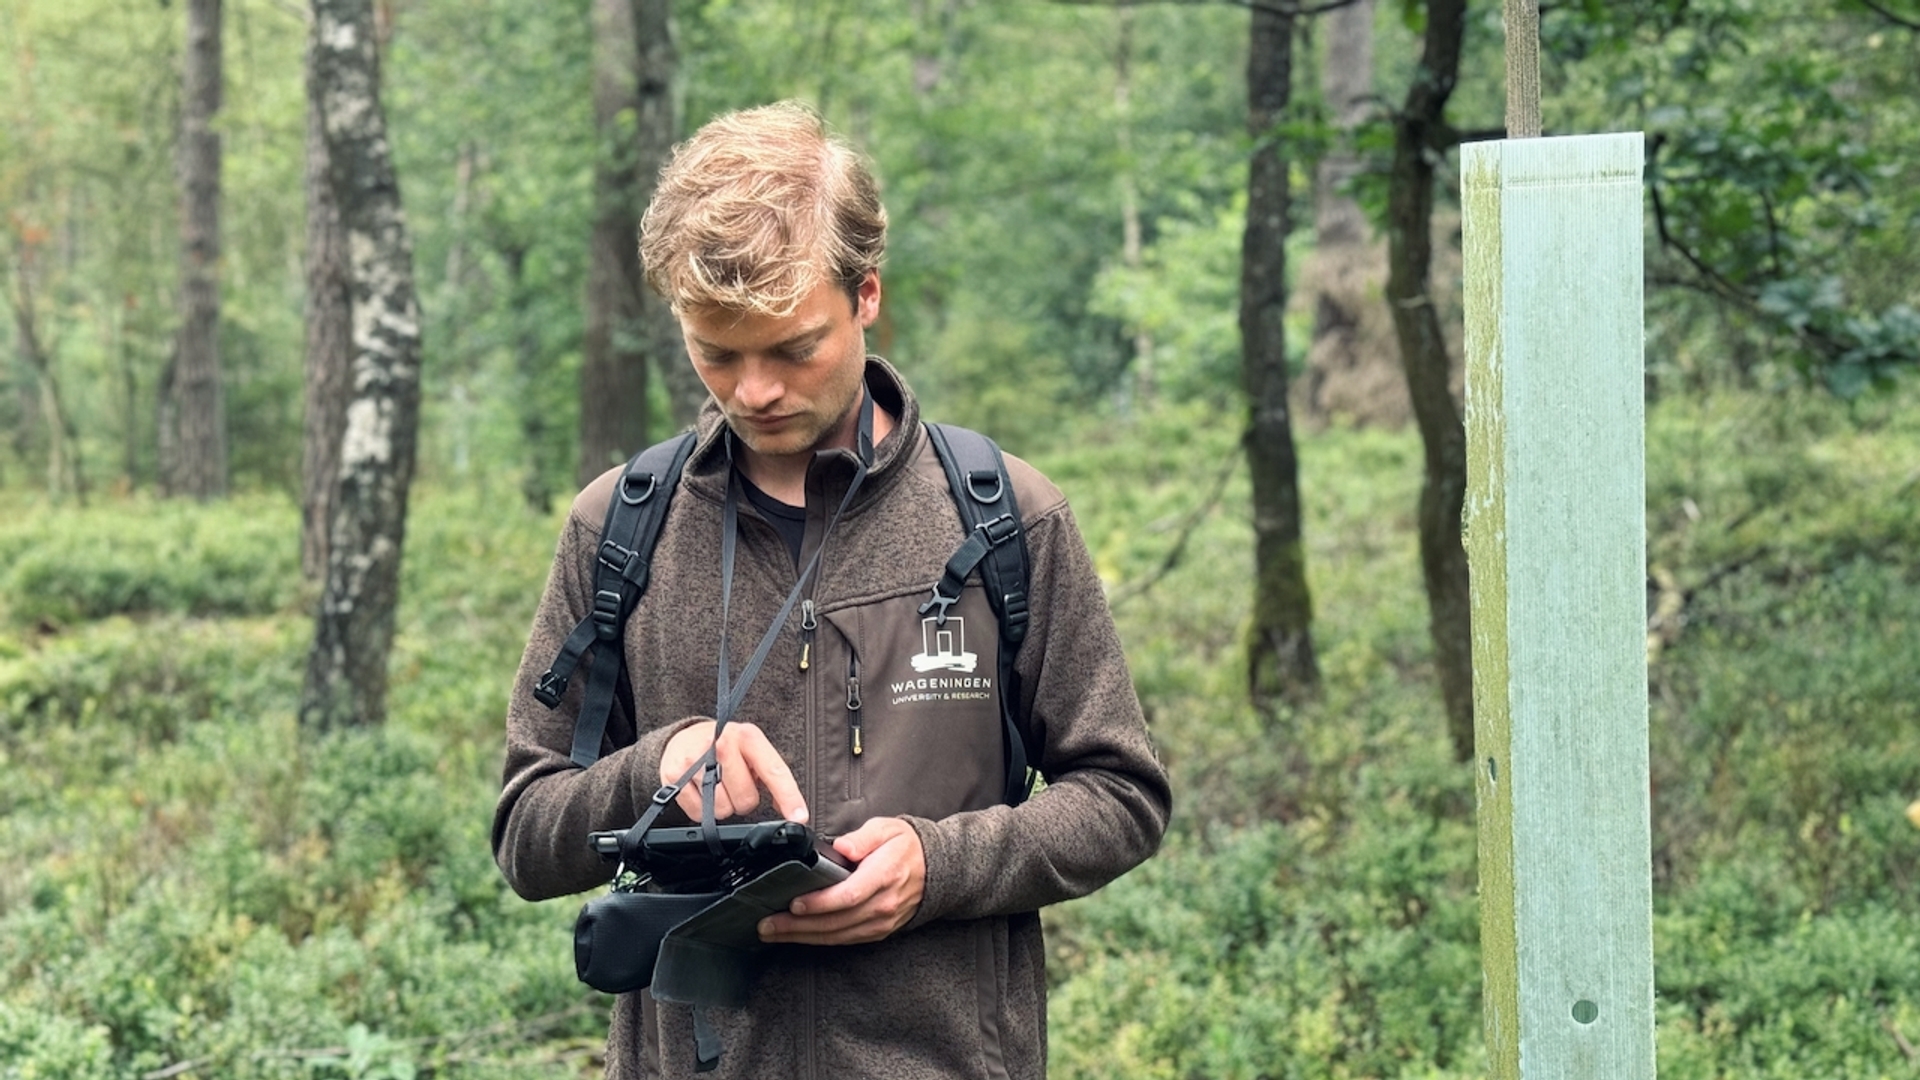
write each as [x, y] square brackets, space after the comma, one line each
[1313, 913]
[1814, 997]
[38, 1047]
[90, 247]
[141, 557]
[1184, 296]
[1316, 949]
[493, 127]
[186, 876]
[1784, 736]
[1780, 168]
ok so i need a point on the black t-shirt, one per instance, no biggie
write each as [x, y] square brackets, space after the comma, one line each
[789, 521]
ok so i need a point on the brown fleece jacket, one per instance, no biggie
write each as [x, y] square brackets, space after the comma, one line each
[961, 991]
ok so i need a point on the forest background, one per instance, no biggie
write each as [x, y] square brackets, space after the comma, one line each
[195, 882]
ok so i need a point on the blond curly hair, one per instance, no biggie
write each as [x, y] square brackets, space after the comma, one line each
[756, 209]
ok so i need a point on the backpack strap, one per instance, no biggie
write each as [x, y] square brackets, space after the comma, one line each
[997, 546]
[635, 514]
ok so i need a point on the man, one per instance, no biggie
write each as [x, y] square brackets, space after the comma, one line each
[767, 235]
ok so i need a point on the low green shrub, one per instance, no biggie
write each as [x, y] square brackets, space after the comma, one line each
[1743, 992]
[138, 556]
[188, 877]
[37, 1046]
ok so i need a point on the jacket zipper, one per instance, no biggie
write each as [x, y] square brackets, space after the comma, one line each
[853, 725]
[807, 626]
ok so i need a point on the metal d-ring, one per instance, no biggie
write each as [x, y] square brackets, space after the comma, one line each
[626, 496]
[973, 486]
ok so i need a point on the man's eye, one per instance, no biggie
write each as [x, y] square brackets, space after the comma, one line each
[798, 356]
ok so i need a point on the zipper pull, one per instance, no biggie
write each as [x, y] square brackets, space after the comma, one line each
[807, 625]
[853, 705]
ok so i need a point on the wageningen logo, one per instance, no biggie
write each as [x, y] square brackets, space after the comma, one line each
[943, 648]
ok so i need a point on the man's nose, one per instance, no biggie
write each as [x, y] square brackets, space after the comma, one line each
[759, 385]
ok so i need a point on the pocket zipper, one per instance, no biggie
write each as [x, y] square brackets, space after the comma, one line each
[807, 625]
[853, 704]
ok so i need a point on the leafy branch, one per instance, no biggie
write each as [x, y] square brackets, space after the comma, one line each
[1850, 352]
[1893, 17]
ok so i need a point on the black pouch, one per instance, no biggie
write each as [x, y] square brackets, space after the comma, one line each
[616, 938]
[714, 956]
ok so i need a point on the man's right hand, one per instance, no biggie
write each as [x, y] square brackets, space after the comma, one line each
[748, 763]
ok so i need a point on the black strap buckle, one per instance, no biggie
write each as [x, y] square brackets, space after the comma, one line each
[942, 602]
[606, 614]
[631, 565]
[1000, 529]
[548, 689]
[1015, 604]
[616, 558]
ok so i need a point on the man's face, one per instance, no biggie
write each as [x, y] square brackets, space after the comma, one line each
[788, 386]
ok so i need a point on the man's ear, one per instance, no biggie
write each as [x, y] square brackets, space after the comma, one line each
[866, 299]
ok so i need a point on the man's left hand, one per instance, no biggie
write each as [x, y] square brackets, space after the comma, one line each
[878, 898]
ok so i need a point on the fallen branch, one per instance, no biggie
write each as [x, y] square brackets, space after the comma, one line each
[1187, 526]
[1900, 1040]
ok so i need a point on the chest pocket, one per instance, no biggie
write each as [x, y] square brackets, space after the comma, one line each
[921, 712]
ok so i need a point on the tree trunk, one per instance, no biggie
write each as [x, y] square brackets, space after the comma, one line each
[129, 413]
[199, 456]
[166, 422]
[329, 318]
[1420, 136]
[1131, 246]
[48, 411]
[656, 121]
[347, 668]
[1352, 371]
[613, 371]
[535, 483]
[1280, 659]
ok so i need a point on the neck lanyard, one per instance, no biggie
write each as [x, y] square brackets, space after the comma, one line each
[730, 691]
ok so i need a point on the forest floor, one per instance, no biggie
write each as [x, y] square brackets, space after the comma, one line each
[190, 885]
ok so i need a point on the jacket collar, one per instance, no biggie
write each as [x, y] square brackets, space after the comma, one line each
[706, 471]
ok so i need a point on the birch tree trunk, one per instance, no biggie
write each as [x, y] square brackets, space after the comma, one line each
[613, 371]
[1280, 657]
[347, 667]
[1419, 140]
[329, 317]
[199, 449]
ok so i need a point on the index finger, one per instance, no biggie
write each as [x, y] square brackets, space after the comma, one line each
[766, 765]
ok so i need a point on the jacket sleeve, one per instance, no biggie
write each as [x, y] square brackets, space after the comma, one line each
[547, 804]
[1106, 800]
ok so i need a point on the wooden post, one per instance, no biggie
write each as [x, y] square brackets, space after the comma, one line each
[1522, 19]
[1556, 542]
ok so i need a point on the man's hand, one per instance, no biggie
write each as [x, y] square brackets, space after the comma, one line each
[879, 898]
[748, 762]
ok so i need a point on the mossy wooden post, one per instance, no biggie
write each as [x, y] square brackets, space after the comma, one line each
[1556, 544]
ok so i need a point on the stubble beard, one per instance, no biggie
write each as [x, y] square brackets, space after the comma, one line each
[803, 435]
